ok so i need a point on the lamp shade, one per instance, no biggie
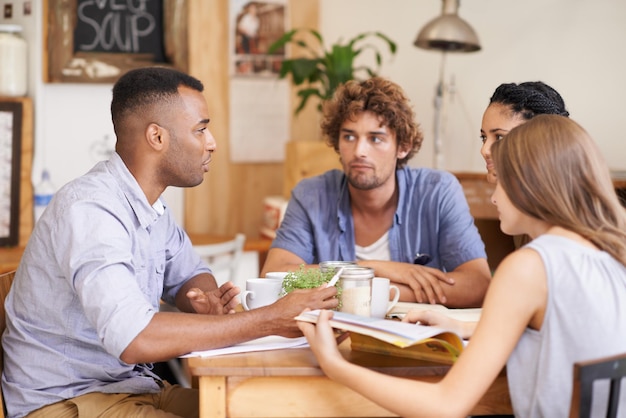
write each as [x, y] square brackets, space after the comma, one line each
[448, 32]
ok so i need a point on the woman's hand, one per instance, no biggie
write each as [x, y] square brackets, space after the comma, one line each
[465, 329]
[322, 340]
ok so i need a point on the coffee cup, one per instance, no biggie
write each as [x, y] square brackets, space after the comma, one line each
[381, 304]
[276, 275]
[260, 292]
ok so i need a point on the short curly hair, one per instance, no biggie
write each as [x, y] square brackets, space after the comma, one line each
[382, 97]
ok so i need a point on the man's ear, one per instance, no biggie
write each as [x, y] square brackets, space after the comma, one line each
[155, 136]
[402, 152]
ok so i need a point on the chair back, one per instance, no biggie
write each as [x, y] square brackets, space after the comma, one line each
[612, 369]
[223, 258]
[6, 279]
[305, 159]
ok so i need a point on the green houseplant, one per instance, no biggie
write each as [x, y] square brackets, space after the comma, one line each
[307, 278]
[324, 70]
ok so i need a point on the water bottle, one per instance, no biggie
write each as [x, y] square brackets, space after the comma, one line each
[44, 191]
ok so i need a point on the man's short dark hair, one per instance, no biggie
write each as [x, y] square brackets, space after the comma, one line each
[147, 86]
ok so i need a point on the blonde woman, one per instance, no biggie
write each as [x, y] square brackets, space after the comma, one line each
[558, 300]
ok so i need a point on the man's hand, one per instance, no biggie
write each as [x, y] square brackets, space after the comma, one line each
[426, 283]
[289, 306]
[222, 300]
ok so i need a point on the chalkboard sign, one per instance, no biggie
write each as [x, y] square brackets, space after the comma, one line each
[120, 26]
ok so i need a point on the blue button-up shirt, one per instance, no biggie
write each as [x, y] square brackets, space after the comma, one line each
[432, 217]
[95, 268]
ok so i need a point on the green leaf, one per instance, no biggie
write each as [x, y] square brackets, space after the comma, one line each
[305, 94]
[307, 278]
[327, 69]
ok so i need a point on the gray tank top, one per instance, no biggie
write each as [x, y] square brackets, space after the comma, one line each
[585, 319]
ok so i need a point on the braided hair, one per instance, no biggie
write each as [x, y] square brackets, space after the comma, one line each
[530, 98]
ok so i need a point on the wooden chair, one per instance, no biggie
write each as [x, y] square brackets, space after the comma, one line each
[585, 373]
[306, 159]
[223, 257]
[6, 280]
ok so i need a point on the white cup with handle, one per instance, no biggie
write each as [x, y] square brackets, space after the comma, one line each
[382, 303]
[276, 274]
[260, 292]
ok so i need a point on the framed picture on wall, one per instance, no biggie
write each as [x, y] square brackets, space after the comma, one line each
[92, 41]
[255, 25]
[10, 156]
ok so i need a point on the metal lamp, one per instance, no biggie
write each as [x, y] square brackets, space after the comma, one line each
[446, 33]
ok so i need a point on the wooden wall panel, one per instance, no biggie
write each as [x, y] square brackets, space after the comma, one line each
[208, 206]
[305, 126]
[26, 184]
[26, 219]
[231, 197]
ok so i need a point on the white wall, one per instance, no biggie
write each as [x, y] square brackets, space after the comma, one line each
[73, 128]
[574, 45]
[577, 46]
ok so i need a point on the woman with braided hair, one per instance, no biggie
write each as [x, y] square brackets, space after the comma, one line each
[511, 105]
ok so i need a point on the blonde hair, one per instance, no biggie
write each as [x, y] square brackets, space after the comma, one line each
[552, 170]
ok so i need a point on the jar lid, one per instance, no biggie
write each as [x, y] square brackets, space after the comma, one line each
[357, 272]
[10, 28]
[334, 265]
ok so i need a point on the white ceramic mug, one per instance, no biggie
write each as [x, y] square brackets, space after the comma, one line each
[260, 292]
[276, 275]
[381, 304]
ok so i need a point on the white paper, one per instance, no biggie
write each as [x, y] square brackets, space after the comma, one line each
[259, 120]
[271, 342]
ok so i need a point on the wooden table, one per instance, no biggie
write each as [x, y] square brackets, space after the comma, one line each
[283, 383]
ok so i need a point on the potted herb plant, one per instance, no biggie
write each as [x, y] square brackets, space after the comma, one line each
[324, 70]
[307, 278]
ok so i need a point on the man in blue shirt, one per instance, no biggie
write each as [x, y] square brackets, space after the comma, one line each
[83, 320]
[411, 225]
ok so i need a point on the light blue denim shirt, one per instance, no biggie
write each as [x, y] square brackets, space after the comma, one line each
[432, 217]
[91, 278]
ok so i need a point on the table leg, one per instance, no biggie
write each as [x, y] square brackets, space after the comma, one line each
[212, 396]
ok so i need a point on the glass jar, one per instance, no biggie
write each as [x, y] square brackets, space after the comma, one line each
[326, 266]
[356, 290]
[13, 61]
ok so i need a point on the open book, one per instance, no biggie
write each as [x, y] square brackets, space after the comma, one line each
[402, 339]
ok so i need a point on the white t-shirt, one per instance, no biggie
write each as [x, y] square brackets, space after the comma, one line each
[377, 251]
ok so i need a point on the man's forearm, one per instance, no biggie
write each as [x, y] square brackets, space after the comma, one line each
[205, 282]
